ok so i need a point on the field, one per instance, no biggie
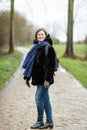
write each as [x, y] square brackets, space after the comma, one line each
[76, 67]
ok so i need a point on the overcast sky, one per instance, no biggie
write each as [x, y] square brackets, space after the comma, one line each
[52, 14]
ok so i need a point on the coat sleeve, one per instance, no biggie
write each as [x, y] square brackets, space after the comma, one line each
[50, 64]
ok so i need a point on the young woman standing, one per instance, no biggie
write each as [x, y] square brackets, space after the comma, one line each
[42, 73]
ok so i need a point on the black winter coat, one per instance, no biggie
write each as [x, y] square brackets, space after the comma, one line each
[43, 68]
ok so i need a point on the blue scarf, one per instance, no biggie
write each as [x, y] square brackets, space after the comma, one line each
[29, 59]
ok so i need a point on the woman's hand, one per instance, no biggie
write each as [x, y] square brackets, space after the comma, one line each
[46, 84]
[27, 82]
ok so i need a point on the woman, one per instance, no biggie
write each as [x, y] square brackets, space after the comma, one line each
[42, 73]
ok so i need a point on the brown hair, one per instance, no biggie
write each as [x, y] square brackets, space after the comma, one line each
[41, 29]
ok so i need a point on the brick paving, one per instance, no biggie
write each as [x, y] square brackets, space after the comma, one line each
[68, 98]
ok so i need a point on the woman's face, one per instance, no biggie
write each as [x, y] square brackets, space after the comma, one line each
[41, 36]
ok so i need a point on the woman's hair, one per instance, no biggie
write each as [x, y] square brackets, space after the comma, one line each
[41, 29]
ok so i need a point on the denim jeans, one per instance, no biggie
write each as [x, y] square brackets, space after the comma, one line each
[43, 103]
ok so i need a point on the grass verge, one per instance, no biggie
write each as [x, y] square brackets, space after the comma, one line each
[76, 67]
[8, 65]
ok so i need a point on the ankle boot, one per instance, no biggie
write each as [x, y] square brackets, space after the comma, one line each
[37, 125]
[47, 125]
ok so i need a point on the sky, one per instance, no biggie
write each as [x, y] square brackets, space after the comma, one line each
[46, 13]
[52, 15]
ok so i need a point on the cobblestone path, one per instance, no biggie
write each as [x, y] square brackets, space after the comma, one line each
[68, 97]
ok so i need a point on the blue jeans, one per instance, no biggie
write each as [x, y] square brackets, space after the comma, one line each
[43, 103]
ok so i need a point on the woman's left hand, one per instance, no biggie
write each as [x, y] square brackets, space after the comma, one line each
[46, 84]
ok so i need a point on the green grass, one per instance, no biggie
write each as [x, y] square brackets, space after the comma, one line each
[80, 49]
[76, 67]
[8, 64]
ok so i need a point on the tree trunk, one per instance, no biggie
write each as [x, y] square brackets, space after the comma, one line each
[86, 48]
[11, 40]
[69, 43]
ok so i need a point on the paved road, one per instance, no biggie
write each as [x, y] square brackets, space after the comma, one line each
[68, 97]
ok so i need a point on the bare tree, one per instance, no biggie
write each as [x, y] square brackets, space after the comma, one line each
[23, 30]
[4, 30]
[86, 48]
[11, 46]
[4, 24]
[69, 45]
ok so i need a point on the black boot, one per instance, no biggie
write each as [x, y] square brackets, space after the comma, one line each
[37, 125]
[47, 125]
